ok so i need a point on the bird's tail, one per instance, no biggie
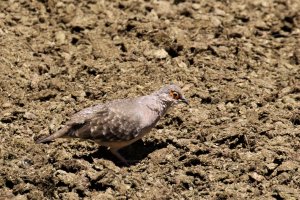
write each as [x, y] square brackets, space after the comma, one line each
[60, 133]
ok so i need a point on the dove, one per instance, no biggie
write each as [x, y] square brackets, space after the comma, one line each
[121, 122]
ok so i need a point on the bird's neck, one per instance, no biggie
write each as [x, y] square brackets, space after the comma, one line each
[160, 106]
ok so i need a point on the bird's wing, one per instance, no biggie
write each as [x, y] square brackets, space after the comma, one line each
[77, 122]
[82, 116]
[104, 124]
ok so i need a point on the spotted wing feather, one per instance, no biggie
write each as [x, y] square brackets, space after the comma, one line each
[105, 125]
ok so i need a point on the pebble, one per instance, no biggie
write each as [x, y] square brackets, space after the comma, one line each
[257, 177]
[60, 37]
[29, 115]
[7, 105]
[160, 54]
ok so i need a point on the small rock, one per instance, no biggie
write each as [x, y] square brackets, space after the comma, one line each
[160, 54]
[287, 166]
[257, 177]
[29, 115]
[65, 177]
[239, 31]
[182, 142]
[182, 65]
[69, 196]
[261, 25]
[221, 106]
[169, 157]
[196, 6]
[288, 100]
[286, 192]
[219, 12]
[271, 166]
[35, 79]
[102, 196]
[7, 105]
[70, 8]
[229, 105]
[66, 56]
[60, 37]
[164, 8]
[215, 22]
[286, 90]
[244, 177]
[284, 177]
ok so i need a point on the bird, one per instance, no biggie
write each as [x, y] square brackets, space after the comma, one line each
[119, 123]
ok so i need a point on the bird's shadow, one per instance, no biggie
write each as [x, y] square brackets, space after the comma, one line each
[133, 153]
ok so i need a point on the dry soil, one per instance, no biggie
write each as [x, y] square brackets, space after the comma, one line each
[237, 61]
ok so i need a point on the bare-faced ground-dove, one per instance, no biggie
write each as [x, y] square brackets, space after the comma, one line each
[119, 123]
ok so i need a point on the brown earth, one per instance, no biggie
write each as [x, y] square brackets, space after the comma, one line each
[237, 61]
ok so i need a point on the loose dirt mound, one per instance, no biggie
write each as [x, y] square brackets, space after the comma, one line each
[239, 65]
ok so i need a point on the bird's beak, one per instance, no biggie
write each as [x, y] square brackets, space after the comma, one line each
[184, 100]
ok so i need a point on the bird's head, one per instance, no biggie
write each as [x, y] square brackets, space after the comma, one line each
[171, 94]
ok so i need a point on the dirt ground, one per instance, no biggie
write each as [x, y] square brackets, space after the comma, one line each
[237, 61]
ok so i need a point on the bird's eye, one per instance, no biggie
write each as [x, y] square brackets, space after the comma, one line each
[174, 95]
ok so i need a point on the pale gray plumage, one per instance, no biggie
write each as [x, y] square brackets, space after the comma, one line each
[119, 123]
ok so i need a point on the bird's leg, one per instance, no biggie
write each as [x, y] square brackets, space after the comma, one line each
[118, 155]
